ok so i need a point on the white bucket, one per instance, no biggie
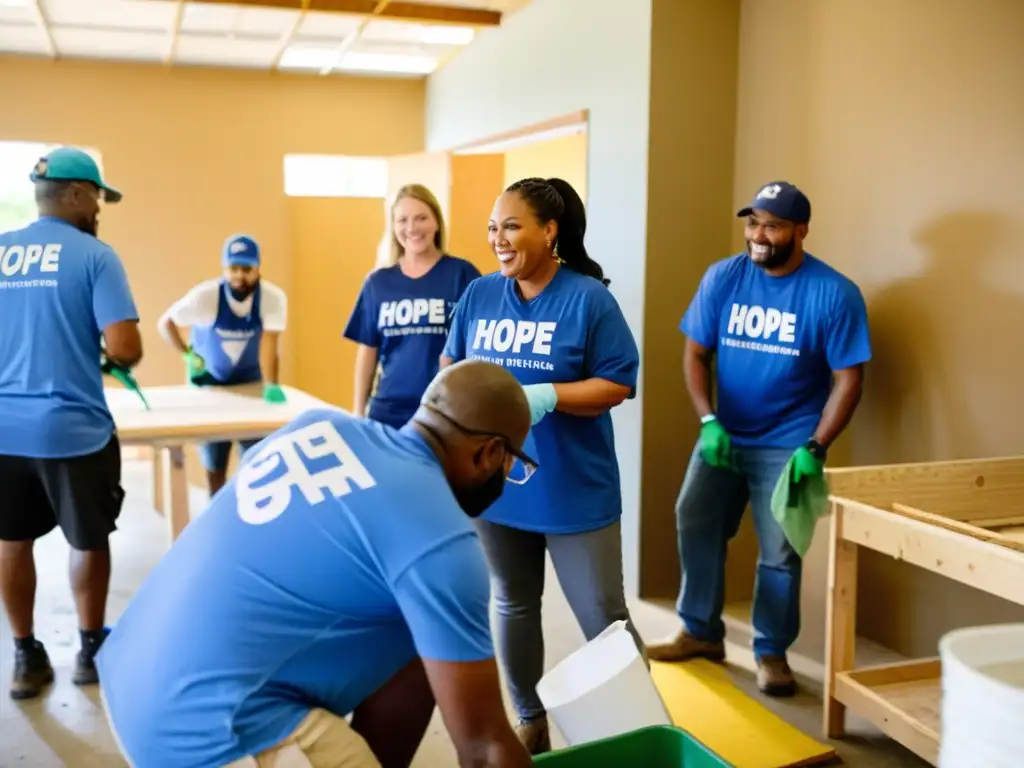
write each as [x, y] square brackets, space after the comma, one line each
[983, 697]
[604, 689]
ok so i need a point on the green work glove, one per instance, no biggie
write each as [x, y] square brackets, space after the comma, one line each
[195, 363]
[806, 464]
[715, 445]
[123, 375]
[273, 393]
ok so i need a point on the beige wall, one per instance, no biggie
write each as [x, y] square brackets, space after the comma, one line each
[564, 157]
[904, 123]
[199, 154]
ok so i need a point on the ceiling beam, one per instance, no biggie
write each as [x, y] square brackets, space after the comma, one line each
[415, 12]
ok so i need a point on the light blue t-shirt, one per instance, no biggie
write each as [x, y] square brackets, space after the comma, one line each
[59, 288]
[777, 341]
[572, 331]
[334, 557]
[406, 319]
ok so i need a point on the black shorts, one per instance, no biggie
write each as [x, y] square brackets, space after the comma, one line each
[83, 495]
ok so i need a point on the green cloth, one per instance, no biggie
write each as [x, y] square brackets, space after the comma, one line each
[796, 507]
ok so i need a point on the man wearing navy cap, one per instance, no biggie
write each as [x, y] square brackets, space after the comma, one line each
[235, 323]
[67, 312]
[789, 338]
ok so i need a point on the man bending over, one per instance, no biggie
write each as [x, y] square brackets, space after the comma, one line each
[337, 574]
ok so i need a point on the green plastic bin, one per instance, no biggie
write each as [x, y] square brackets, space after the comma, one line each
[659, 746]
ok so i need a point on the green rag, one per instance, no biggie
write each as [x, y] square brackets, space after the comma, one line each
[796, 507]
[125, 377]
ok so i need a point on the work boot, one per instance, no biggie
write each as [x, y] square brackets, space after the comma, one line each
[32, 672]
[85, 663]
[774, 677]
[534, 735]
[682, 646]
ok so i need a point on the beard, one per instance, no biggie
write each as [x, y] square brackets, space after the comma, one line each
[776, 257]
[91, 225]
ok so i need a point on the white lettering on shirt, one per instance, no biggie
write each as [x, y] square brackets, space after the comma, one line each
[406, 312]
[756, 322]
[515, 335]
[261, 500]
[16, 259]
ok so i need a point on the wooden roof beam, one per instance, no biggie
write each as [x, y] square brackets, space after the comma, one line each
[410, 12]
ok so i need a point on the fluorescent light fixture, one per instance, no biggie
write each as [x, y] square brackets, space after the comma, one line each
[308, 57]
[358, 61]
[438, 35]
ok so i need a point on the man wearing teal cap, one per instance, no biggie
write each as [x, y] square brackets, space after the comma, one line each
[235, 323]
[66, 309]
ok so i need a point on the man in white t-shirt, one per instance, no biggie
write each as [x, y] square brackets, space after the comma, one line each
[235, 323]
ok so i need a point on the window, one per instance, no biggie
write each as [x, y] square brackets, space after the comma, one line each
[17, 200]
[335, 176]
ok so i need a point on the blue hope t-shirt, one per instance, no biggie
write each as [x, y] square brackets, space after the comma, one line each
[59, 288]
[777, 341]
[407, 319]
[572, 331]
[334, 557]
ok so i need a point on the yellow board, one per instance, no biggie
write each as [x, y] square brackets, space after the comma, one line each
[704, 701]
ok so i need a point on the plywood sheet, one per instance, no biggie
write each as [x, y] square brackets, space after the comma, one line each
[186, 413]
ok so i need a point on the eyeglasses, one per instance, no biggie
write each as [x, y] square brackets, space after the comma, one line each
[529, 466]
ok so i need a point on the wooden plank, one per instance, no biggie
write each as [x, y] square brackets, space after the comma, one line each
[962, 489]
[840, 622]
[980, 564]
[956, 526]
[416, 12]
[904, 705]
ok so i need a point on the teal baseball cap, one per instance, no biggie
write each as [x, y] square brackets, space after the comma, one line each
[71, 164]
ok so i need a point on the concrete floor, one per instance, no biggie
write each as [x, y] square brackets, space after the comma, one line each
[66, 726]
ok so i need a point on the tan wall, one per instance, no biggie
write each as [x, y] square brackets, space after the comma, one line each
[904, 123]
[334, 242]
[564, 157]
[199, 155]
[476, 182]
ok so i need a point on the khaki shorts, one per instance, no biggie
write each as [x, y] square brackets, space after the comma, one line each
[322, 740]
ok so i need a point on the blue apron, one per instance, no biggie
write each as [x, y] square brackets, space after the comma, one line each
[231, 346]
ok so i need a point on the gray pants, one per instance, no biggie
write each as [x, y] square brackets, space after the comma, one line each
[589, 568]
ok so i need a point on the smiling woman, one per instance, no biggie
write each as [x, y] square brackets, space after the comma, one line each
[401, 317]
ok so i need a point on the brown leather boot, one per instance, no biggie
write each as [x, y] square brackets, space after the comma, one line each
[774, 677]
[682, 646]
[534, 735]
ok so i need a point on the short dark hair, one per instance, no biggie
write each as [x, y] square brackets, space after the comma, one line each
[556, 200]
[51, 190]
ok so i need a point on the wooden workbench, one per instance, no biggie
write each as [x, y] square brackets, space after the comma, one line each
[185, 414]
[961, 519]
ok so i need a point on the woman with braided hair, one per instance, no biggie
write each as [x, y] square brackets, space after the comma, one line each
[548, 317]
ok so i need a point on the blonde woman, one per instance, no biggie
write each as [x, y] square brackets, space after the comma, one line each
[401, 318]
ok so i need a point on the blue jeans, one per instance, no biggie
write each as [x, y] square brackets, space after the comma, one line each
[708, 513]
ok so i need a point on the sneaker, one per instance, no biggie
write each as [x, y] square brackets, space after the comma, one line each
[32, 672]
[534, 735]
[85, 664]
[682, 646]
[774, 677]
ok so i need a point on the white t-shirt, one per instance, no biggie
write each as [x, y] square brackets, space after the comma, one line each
[199, 306]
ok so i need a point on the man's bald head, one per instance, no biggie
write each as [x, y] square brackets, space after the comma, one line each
[476, 417]
[482, 397]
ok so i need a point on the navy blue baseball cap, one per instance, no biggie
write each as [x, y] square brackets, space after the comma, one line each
[71, 164]
[782, 199]
[240, 250]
